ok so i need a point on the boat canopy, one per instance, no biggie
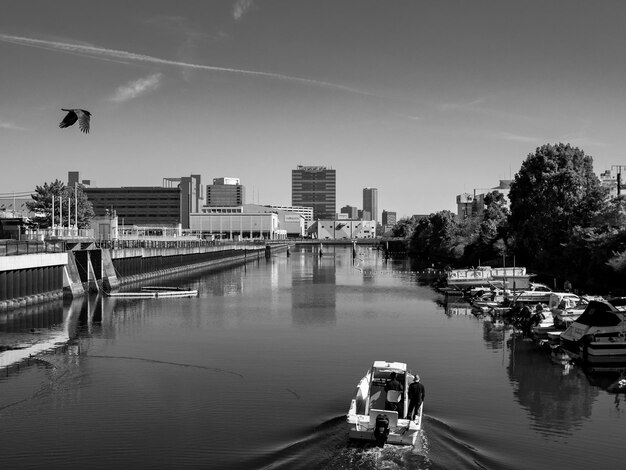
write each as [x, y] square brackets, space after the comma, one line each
[600, 313]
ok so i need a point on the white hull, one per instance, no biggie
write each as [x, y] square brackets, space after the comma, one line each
[371, 402]
[361, 428]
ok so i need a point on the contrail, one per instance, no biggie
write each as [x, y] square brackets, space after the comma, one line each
[99, 52]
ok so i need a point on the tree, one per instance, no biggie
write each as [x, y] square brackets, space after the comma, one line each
[554, 192]
[433, 238]
[402, 229]
[41, 205]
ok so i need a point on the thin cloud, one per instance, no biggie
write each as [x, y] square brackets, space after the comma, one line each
[99, 52]
[240, 8]
[455, 106]
[515, 137]
[138, 87]
[10, 126]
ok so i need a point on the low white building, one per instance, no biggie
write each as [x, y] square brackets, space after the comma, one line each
[236, 223]
[345, 229]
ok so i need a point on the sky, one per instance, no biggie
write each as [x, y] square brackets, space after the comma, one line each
[423, 100]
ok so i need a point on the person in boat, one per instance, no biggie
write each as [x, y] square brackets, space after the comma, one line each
[416, 396]
[392, 384]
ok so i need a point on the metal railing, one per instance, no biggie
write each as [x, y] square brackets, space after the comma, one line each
[27, 247]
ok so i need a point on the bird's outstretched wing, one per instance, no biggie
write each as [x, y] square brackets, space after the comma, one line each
[69, 119]
[84, 118]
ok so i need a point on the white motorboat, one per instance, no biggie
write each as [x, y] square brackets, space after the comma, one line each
[598, 336]
[536, 293]
[377, 416]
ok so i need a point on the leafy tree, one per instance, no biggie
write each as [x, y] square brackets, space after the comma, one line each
[433, 238]
[555, 192]
[402, 229]
[41, 205]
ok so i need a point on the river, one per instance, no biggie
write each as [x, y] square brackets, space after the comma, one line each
[258, 371]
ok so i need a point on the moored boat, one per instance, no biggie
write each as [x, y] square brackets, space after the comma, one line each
[378, 416]
[536, 293]
[598, 336]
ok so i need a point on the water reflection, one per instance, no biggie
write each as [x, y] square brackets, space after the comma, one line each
[314, 306]
[557, 402]
[27, 332]
[454, 305]
[494, 333]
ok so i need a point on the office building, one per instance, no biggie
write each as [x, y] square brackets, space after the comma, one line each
[352, 212]
[316, 187]
[148, 206]
[138, 205]
[73, 178]
[337, 229]
[389, 218]
[472, 205]
[370, 203]
[237, 223]
[225, 192]
[190, 195]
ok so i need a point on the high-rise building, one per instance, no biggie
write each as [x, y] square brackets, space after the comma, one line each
[73, 178]
[225, 192]
[316, 187]
[389, 218]
[190, 195]
[370, 202]
[353, 212]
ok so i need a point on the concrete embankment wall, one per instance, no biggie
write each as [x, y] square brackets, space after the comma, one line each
[31, 279]
[136, 264]
[37, 278]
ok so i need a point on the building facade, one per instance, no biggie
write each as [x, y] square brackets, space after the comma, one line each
[370, 203]
[191, 195]
[352, 212]
[233, 223]
[145, 205]
[345, 229]
[225, 192]
[472, 205]
[315, 187]
[389, 218]
[148, 206]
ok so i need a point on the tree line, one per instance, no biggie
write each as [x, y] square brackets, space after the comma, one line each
[560, 223]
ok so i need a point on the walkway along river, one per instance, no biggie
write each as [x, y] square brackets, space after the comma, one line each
[257, 372]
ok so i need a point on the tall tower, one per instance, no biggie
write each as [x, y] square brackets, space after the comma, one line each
[370, 202]
[316, 187]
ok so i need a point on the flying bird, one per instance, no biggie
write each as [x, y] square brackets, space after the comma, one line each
[74, 115]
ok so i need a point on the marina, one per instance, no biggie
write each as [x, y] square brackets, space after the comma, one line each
[265, 361]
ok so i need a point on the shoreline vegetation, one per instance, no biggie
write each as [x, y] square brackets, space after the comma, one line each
[561, 225]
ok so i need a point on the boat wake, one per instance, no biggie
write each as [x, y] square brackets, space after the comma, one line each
[438, 447]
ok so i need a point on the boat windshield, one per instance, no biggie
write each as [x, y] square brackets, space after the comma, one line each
[377, 390]
[598, 314]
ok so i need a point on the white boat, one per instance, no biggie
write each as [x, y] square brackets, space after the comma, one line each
[515, 278]
[536, 293]
[468, 278]
[372, 404]
[566, 307]
[598, 336]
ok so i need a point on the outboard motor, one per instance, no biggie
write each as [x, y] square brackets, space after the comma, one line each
[381, 429]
